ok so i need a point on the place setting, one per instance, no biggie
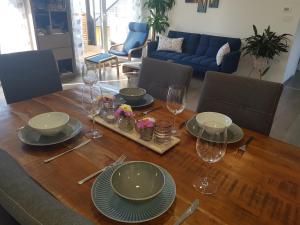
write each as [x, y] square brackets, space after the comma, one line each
[133, 192]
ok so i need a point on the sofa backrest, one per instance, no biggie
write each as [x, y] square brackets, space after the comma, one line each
[204, 45]
[209, 45]
[190, 42]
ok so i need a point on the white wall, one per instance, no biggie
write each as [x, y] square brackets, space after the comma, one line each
[234, 18]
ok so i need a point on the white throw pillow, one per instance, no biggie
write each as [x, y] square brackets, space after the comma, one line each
[224, 50]
[170, 44]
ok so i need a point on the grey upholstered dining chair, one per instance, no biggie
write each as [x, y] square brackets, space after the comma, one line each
[156, 76]
[250, 103]
[25, 202]
[25, 75]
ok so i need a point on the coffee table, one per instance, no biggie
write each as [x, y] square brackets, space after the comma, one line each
[101, 59]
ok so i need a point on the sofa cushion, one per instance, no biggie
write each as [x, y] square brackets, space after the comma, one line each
[190, 42]
[165, 55]
[169, 44]
[27, 202]
[209, 45]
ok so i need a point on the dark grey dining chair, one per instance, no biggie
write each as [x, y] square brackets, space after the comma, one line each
[250, 103]
[25, 75]
[156, 76]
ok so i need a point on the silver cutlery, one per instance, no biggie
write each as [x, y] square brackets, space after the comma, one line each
[244, 146]
[120, 160]
[188, 212]
[150, 110]
[72, 149]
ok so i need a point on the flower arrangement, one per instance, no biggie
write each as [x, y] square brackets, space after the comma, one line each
[146, 122]
[124, 110]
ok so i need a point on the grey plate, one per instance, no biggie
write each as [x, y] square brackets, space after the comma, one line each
[234, 133]
[31, 137]
[145, 101]
[119, 209]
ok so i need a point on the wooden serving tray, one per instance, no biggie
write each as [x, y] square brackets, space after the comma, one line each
[135, 136]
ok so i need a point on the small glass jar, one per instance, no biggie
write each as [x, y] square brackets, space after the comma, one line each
[125, 123]
[146, 133]
[107, 111]
[162, 132]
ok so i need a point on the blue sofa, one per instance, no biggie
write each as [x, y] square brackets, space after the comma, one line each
[199, 51]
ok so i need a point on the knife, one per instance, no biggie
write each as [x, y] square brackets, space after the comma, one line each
[188, 212]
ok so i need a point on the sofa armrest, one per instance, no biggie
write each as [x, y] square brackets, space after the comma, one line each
[230, 62]
[152, 46]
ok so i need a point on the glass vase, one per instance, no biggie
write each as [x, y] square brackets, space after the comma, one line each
[125, 123]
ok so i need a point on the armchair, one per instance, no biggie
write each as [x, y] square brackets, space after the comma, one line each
[134, 43]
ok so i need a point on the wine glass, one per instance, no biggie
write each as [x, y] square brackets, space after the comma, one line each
[91, 103]
[90, 74]
[211, 147]
[176, 100]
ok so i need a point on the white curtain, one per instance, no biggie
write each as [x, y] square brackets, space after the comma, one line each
[15, 33]
[77, 8]
[120, 15]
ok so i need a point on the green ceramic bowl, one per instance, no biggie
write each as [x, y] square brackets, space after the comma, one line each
[138, 180]
[132, 94]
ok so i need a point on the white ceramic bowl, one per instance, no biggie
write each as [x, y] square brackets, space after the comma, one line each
[138, 180]
[50, 123]
[213, 121]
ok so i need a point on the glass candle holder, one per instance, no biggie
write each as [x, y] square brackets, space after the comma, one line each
[162, 132]
[146, 133]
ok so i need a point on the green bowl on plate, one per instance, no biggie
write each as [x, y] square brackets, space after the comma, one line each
[132, 94]
[137, 180]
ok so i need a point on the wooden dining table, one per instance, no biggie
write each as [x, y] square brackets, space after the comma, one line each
[259, 186]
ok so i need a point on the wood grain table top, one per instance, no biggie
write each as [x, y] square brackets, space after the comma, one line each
[260, 186]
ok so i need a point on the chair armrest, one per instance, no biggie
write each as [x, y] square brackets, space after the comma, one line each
[134, 49]
[152, 46]
[117, 47]
[230, 62]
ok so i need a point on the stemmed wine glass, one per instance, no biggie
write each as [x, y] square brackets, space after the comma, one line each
[211, 147]
[91, 103]
[90, 74]
[176, 100]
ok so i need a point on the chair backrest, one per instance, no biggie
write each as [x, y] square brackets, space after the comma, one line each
[248, 102]
[156, 76]
[25, 75]
[137, 36]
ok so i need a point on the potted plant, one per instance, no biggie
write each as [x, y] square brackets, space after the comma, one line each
[263, 48]
[158, 19]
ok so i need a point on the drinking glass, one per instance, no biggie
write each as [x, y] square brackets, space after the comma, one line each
[211, 147]
[91, 102]
[90, 74]
[176, 100]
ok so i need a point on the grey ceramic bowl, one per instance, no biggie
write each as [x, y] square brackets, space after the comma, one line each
[132, 94]
[138, 180]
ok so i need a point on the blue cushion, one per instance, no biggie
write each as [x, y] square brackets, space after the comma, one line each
[209, 45]
[138, 34]
[190, 41]
[168, 55]
[99, 58]
[118, 53]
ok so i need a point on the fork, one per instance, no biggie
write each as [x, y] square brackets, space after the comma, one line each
[120, 160]
[244, 146]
